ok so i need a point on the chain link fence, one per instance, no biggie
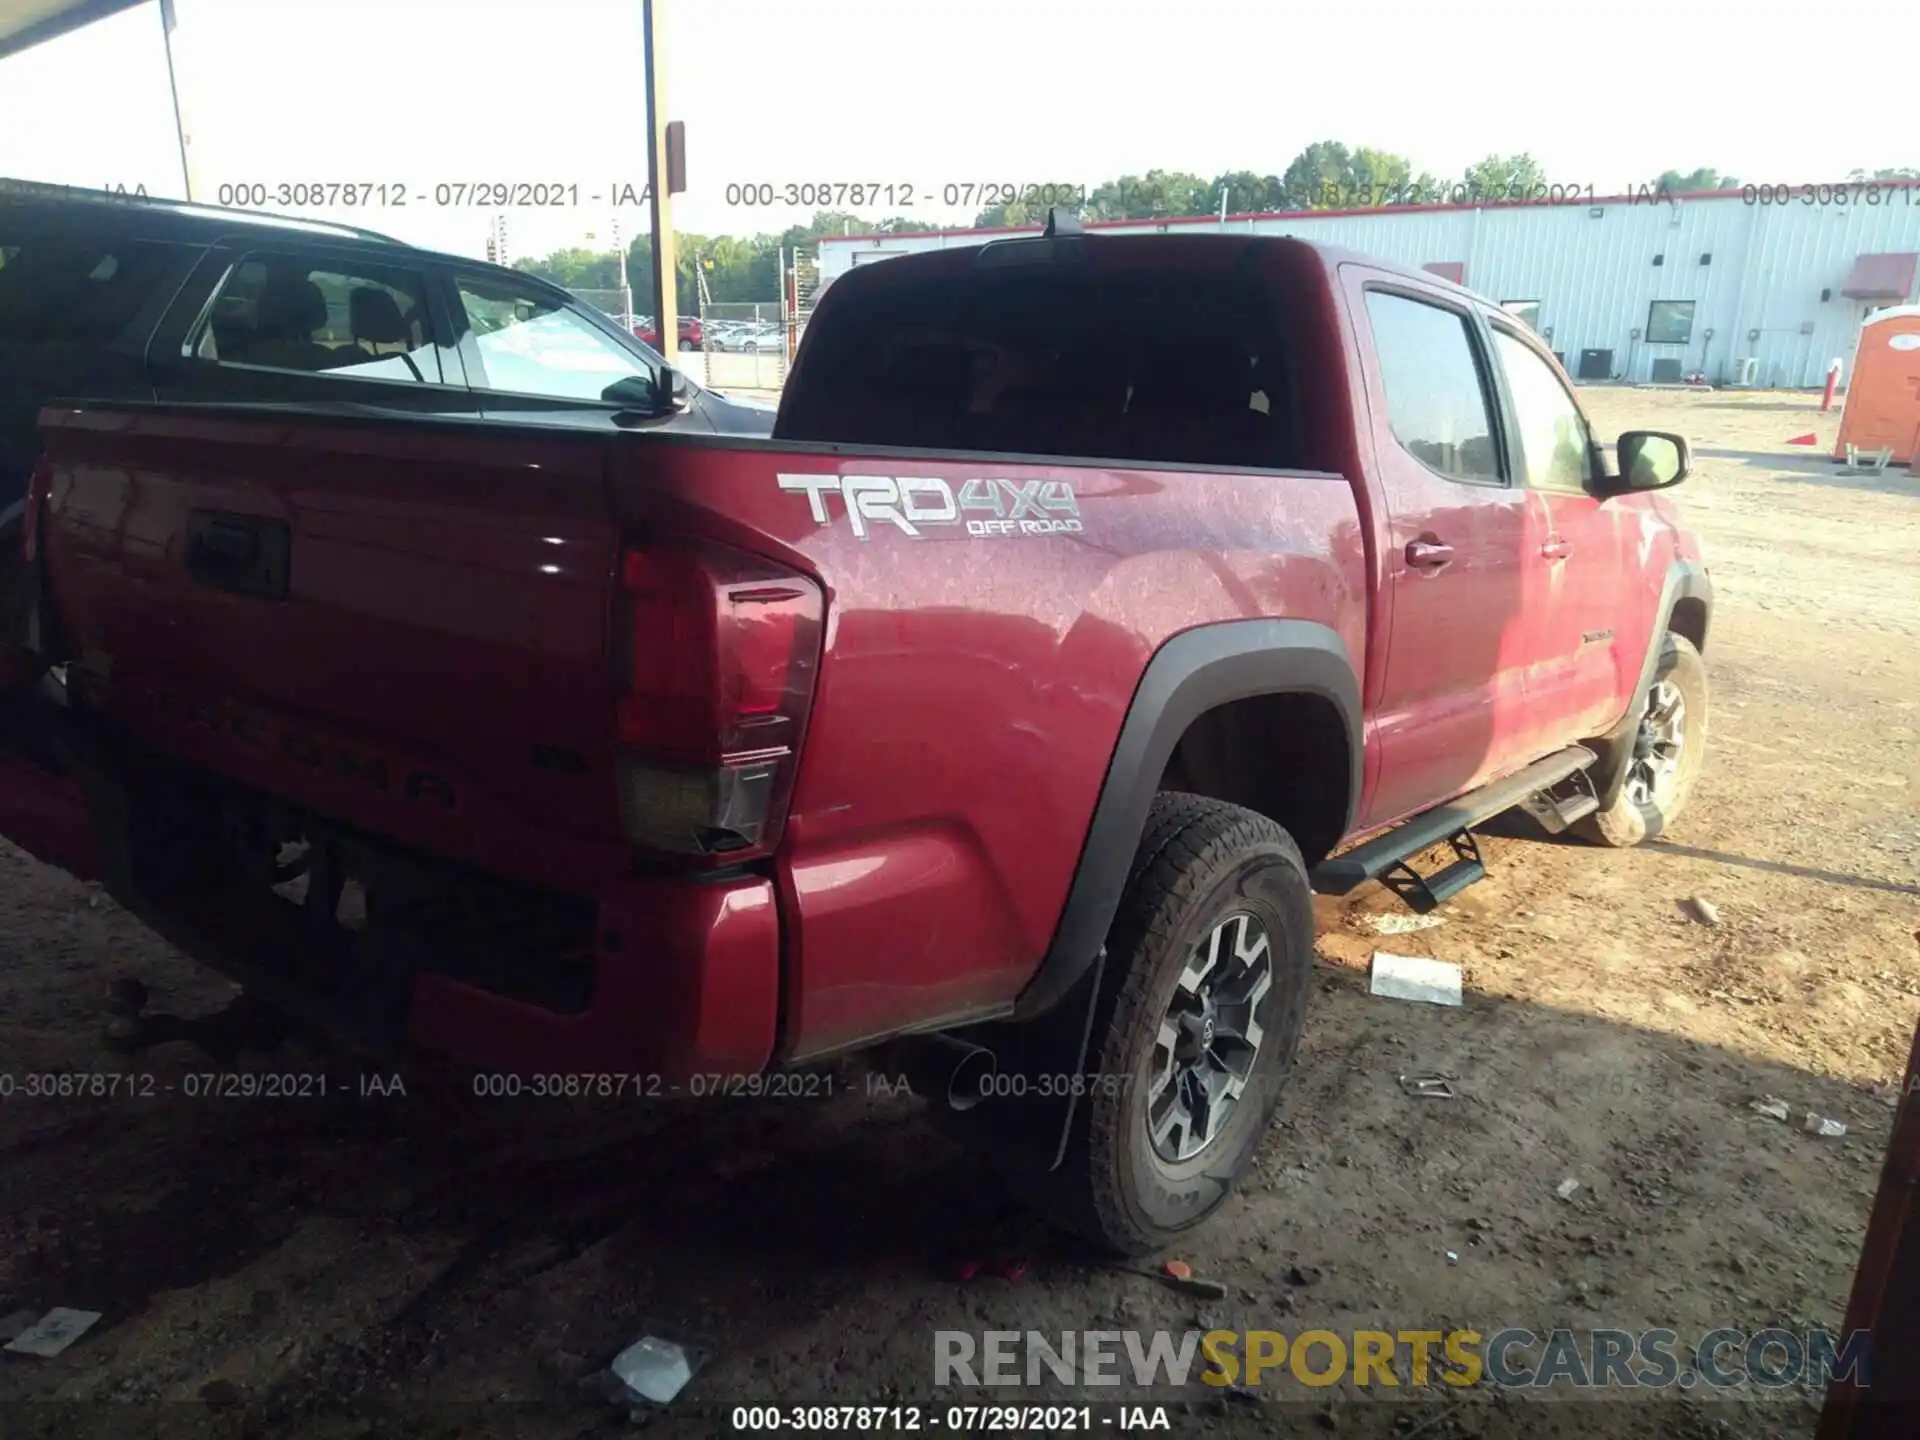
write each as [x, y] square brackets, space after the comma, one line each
[732, 344]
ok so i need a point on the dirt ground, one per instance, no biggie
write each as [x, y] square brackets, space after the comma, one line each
[469, 1264]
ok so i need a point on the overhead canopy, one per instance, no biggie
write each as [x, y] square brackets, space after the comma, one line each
[1881, 277]
[25, 23]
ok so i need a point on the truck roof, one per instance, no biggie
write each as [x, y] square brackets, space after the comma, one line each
[1169, 244]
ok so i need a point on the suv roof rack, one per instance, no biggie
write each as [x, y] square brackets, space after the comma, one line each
[81, 194]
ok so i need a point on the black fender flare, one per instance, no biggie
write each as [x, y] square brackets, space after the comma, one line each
[1190, 674]
[1685, 580]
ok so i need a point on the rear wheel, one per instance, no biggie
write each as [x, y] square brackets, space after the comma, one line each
[1208, 960]
[1668, 748]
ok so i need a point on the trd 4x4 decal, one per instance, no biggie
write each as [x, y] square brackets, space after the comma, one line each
[917, 503]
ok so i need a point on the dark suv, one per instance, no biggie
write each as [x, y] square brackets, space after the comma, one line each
[106, 297]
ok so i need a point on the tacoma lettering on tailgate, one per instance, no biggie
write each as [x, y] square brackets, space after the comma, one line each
[912, 503]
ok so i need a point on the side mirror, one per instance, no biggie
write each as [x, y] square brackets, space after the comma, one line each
[676, 395]
[1650, 460]
[667, 395]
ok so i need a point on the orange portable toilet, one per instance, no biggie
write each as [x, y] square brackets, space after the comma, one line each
[1883, 392]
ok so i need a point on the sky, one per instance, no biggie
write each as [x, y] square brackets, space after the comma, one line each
[417, 94]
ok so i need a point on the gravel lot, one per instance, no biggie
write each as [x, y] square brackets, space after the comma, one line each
[272, 1262]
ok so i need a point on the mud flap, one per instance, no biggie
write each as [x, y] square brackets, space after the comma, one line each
[1026, 1115]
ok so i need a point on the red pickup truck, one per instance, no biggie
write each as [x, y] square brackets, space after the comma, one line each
[1095, 600]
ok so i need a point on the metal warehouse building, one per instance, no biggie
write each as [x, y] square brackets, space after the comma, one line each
[1640, 288]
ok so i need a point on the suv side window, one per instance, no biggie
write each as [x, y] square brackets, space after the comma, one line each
[280, 312]
[60, 290]
[1437, 403]
[531, 344]
[1555, 445]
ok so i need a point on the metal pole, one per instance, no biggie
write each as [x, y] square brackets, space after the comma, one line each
[665, 317]
[626, 288]
[169, 21]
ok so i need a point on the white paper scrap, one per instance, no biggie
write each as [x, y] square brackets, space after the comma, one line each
[1415, 977]
[55, 1331]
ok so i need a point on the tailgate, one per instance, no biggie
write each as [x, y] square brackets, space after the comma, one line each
[399, 625]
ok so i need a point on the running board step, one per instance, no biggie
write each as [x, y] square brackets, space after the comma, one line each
[1429, 892]
[1388, 853]
[1557, 808]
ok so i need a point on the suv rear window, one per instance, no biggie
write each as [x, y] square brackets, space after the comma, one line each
[57, 290]
[1137, 363]
[284, 313]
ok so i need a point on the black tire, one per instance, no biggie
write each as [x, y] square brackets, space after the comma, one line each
[1632, 818]
[1200, 862]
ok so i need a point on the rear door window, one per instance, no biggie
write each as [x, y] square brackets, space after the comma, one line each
[66, 290]
[1437, 392]
[1136, 362]
[332, 318]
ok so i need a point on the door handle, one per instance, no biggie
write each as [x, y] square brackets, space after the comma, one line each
[1556, 549]
[1429, 555]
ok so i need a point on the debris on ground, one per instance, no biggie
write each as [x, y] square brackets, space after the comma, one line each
[1826, 1129]
[19, 1320]
[1428, 1087]
[1415, 977]
[1401, 922]
[1703, 910]
[54, 1332]
[1182, 1279]
[1771, 1106]
[655, 1369]
[1566, 1188]
[1453, 1257]
[1303, 1275]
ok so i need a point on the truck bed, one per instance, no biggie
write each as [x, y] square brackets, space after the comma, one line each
[410, 631]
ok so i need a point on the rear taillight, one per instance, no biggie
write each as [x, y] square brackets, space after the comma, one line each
[720, 650]
[37, 487]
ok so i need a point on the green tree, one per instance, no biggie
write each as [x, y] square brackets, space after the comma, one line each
[1156, 195]
[1319, 176]
[1246, 191]
[1032, 210]
[1326, 175]
[576, 268]
[1897, 172]
[1499, 176]
[1705, 178]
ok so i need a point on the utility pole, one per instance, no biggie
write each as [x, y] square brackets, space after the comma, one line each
[190, 176]
[660, 201]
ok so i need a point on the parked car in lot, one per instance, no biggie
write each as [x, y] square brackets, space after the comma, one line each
[688, 326]
[106, 298]
[1096, 600]
[762, 339]
[726, 335]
